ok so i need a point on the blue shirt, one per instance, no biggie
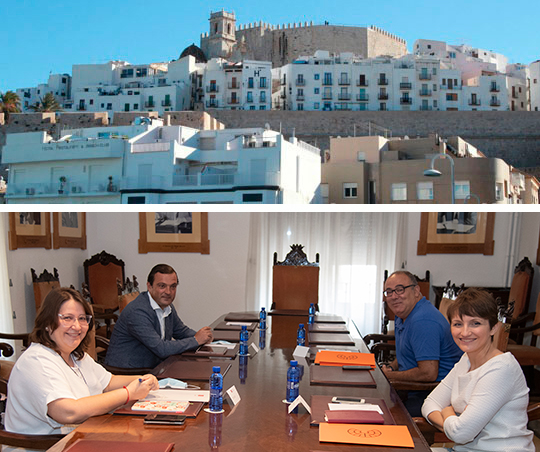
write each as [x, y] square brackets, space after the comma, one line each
[425, 336]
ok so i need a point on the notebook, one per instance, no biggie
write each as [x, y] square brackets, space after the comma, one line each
[335, 375]
[167, 406]
[353, 417]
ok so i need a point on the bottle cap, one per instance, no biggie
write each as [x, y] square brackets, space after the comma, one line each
[301, 325]
[216, 369]
[244, 327]
[262, 309]
[294, 363]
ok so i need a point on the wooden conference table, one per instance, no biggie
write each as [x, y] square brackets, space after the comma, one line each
[259, 422]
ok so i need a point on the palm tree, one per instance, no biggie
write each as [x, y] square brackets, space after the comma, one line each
[9, 103]
[46, 104]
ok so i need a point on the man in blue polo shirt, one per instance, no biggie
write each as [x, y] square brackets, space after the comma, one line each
[425, 349]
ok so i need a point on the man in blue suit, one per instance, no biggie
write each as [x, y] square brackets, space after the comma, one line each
[149, 329]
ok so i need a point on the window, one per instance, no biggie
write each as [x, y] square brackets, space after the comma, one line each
[109, 106]
[398, 192]
[262, 96]
[316, 105]
[462, 189]
[250, 82]
[317, 76]
[301, 107]
[263, 82]
[250, 96]
[361, 156]
[316, 91]
[350, 190]
[424, 190]
[451, 96]
[252, 197]
[262, 107]
[499, 191]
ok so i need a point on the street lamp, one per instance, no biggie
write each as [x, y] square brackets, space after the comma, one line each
[432, 172]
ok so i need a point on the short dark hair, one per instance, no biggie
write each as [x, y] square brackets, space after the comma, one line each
[409, 275]
[160, 268]
[47, 318]
[474, 302]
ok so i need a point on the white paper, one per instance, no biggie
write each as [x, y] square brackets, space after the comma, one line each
[326, 326]
[227, 345]
[255, 348]
[233, 395]
[299, 400]
[179, 395]
[300, 351]
[239, 323]
[355, 407]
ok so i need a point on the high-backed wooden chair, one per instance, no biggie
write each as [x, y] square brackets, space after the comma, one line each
[295, 283]
[520, 294]
[127, 293]
[43, 284]
[100, 274]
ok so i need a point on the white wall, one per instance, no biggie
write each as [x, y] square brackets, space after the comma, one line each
[210, 285]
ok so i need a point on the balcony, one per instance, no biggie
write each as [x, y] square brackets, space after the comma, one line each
[474, 102]
[212, 103]
[81, 108]
[494, 103]
[70, 189]
[230, 179]
[300, 97]
[344, 96]
[405, 86]
[165, 103]
[212, 89]
[383, 108]
[344, 81]
[425, 92]
[234, 85]
[263, 85]
[327, 96]
[327, 82]
[382, 96]
[382, 82]
[405, 101]
[300, 82]
[362, 97]
[426, 108]
[361, 82]
[232, 100]
[424, 76]
[149, 104]
[249, 100]
[450, 88]
[494, 88]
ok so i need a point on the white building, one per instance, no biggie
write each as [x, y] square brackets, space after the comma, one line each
[58, 84]
[534, 69]
[151, 163]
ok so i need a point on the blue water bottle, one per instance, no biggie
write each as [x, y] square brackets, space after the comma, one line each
[216, 390]
[311, 313]
[262, 319]
[293, 381]
[301, 335]
[244, 336]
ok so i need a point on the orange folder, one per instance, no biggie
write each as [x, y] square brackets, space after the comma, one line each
[337, 358]
[376, 435]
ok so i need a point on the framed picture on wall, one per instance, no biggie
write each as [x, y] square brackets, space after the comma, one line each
[69, 230]
[456, 232]
[29, 230]
[175, 232]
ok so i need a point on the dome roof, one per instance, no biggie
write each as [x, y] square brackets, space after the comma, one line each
[196, 52]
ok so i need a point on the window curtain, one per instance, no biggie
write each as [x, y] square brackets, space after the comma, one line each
[355, 249]
[6, 313]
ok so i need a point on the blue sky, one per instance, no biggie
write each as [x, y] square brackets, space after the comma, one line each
[40, 37]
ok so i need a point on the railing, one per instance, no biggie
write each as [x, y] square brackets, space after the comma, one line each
[212, 103]
[425, 92]
[327, 82]
[233, 179]
[474, 102]
[165, 103]
[382, 96]
[405, 86]
[81, 108]
[405, 101]
[150, 147]
[70, 188]
[300, 97]
[344, 96]
[232, 100]
[344, 81]
[249, 100]
[452, 88]
[426, 108]
[494, 88]
[212, 89]
[263, 85]
[362, 82]
[234, 85]
[424, 76]
[300, 82]
[382, 82]
[494, 103]
[149, 104]
[327, 96]
[362, 97]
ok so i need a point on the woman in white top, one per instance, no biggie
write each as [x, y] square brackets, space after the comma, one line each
[481, 405]
[55, 383]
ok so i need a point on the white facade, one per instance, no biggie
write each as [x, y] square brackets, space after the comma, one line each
[58, 84]
[535, 85]
[150, 163]
[120, 86]
[236, 86]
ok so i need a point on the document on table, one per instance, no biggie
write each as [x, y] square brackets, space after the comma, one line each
[355, 407]
[179, 395]
[239, 323]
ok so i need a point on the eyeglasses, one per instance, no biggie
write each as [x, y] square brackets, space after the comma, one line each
[69, 319]
[398, 290]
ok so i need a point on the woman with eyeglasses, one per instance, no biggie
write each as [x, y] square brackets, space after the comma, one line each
[481, 405]
[55, 383]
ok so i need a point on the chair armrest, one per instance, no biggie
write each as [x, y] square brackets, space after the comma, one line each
[523, 319]
[16, 337]
[39, 442]
[378, 338]
[102, 342]
[533, 411]
[406, 385]
[430, 432]
[525, 329]
[128, 371]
